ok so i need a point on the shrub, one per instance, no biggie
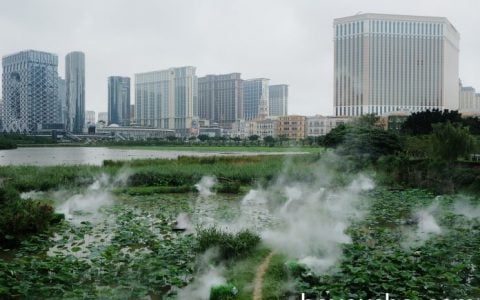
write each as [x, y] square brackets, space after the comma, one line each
[230, 245]
[223, 292]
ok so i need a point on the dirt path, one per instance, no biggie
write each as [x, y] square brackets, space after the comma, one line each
[257, 291]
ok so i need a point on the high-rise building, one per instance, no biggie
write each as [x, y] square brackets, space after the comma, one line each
[167, 99]
[30, 91]
[89, 118]
[1, 114]
[278, 100]
[132, 114]
[255, 98]
[119, 100]
[62, 101]
[387, 63]
[75, 81]
[220, 98]
[103, 116]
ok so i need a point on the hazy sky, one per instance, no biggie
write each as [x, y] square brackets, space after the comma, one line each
[287, 41]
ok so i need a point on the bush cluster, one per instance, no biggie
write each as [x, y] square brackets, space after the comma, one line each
[230, 245]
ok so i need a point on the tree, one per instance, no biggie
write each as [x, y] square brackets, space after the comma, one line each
[450, 141]
[253, 138]
[421, 122]
[335, 137]
[269, 140]
[203, 137]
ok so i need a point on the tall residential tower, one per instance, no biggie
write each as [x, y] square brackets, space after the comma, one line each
[75, 82]
[386, 63]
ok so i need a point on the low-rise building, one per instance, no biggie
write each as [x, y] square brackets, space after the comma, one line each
[319, 125]
[135, 133]
[267, 127]
[292, 127]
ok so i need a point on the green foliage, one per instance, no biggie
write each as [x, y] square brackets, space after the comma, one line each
[418, 146]
[336, 136]
[421, 122]
[22, 218]
[230, 245]
[253, 137]
[7, 144]
[229, 187]
[451, 141]
[223, 292]
[363, 143]
[203, 137]
[376, 262]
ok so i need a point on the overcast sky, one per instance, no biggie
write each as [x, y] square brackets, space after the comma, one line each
[288, 42]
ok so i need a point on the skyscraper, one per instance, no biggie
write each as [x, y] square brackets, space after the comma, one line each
[255, 98]
[30, 91]
[167, 99]
[75, 81]
[278, 100]
[220, 98]
[119, 100]
[386, 63]
[62, 101]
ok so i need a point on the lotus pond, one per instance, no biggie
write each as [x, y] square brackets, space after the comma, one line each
[141, 242]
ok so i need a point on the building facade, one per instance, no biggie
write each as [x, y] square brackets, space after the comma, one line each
[132, 114]
[75, 82]
[119, 100]
[469, 100]
[255, 98]
[30, 91]
[62, 101]
[220, 98]
[89, 118]
[103, 117]
[278, 100]
[385, 63]
[292, 127]
[167, 99]
[321, 125]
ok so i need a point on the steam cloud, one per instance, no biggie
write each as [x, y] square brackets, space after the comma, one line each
[205, 185]
[86, 206]
[426, 227]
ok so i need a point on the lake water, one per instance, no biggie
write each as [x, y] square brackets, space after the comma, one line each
[53, 156]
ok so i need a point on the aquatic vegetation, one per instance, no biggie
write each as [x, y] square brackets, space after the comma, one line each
[230, 245]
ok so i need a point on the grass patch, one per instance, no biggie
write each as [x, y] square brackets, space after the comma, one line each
[275, 281]
[242, 273]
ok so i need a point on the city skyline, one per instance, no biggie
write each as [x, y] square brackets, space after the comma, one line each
[297, 51]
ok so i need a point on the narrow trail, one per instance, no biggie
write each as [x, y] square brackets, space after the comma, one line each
[257, 291]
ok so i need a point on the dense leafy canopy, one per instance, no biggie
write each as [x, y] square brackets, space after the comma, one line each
[421, 122]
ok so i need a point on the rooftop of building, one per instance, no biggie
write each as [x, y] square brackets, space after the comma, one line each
[394, 17]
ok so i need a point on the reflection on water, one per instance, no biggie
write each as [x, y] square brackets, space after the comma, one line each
[52, 156]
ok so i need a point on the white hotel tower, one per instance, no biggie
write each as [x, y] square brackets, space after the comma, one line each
[386, 63]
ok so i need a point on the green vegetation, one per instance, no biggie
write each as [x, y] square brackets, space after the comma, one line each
[377, 261]
[21, 218]
[223, 292]
[230, 245]
[12, 140]
[134, 250]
